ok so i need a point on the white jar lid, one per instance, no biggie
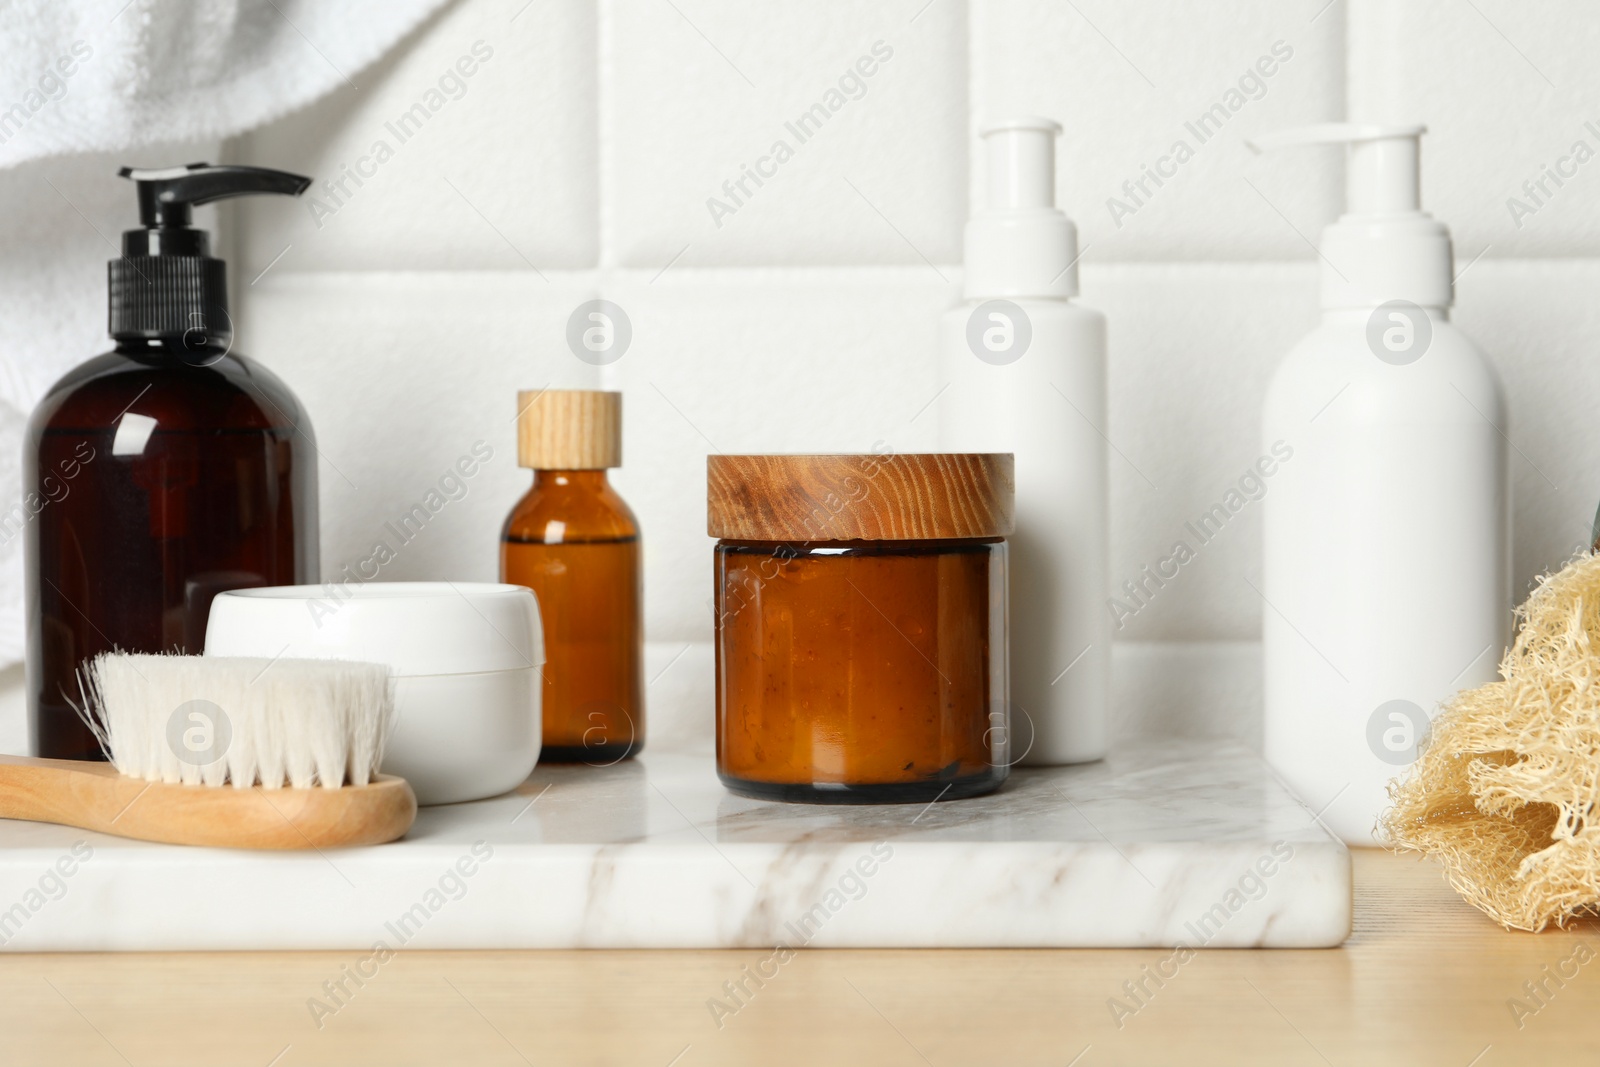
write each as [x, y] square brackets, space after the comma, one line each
[417, 628]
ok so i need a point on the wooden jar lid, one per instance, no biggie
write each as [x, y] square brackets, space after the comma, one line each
[569, 429]
[859, 497]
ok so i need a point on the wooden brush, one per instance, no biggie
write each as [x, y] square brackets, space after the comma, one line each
[226, 752]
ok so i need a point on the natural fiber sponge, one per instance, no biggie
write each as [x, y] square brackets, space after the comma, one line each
[1506, 789]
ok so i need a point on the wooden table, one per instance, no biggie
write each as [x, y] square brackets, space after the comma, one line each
[1424, 980]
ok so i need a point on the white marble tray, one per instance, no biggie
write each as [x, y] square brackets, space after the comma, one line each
[1159, 845]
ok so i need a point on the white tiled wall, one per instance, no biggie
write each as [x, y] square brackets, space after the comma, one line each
[1127, 80]
[499, 175]
[577, 161]
[697, 92]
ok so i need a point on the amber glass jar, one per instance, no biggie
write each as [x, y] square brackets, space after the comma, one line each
[861, 625]
[575, 543]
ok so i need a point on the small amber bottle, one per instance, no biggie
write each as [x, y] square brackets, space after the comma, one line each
[575, 543]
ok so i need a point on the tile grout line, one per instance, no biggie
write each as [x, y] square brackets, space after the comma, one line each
[605, 139]
[609, 376]
[976, 43]
[1347, 72]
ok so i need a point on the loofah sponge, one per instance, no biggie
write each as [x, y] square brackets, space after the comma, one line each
[1505, 790]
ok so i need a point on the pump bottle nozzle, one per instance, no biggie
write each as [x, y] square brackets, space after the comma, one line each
[1384, 247]
[1021, 155]
[1383, 161]
[166, 195]
[1020, 244]
[167, 292]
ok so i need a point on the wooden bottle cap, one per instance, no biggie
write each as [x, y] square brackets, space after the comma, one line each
[859, 497]
[569, 429]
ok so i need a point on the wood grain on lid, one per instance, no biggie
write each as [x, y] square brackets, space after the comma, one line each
[859, 497]
[569, 429]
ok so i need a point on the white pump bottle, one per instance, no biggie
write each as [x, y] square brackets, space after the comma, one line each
[1386, 540]
[1026, 373]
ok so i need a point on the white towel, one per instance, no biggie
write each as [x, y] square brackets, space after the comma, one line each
[145, 82]
[109, 75]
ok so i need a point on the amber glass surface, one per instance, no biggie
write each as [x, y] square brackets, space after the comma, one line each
[575, 543]
[861, 671]
[152, 485]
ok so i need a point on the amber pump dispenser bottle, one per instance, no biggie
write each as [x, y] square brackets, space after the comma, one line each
[575, 543]
[164, 471]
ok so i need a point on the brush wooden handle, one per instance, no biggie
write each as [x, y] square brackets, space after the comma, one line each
[94, 796]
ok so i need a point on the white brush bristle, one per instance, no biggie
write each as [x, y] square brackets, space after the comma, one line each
[211, 720]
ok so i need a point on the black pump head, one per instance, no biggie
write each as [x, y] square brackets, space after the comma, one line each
[167, 291]
[165, 196]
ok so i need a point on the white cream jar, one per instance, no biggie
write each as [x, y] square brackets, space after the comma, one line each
[465, 655]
